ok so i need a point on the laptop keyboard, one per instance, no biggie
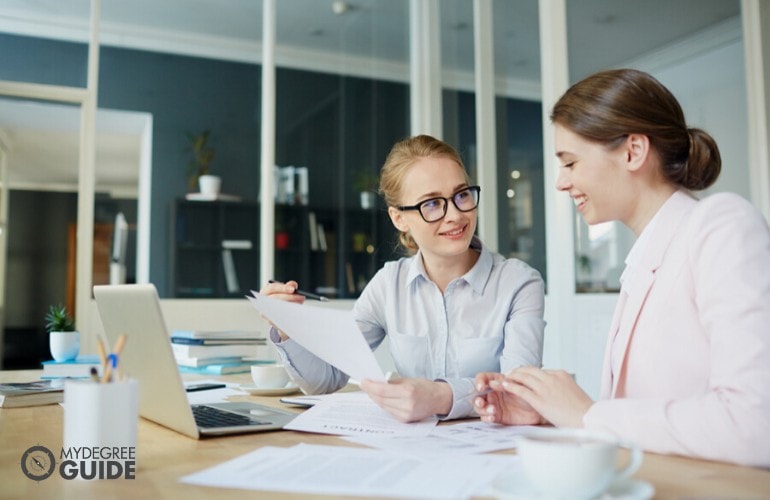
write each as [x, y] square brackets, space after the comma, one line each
[208, 416]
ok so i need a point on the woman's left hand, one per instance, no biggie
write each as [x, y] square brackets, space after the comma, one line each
[410, 399]
[554, 394]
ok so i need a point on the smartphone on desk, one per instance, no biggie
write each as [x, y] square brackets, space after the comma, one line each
[301, 401]
[205, 386]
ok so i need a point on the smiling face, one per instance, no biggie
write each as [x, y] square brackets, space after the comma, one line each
[430, 177]
[598, 179]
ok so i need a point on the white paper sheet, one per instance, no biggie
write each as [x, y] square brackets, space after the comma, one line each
[467, 437]
[342, 470]
[330, 334]
[352, 414]
[503, 437]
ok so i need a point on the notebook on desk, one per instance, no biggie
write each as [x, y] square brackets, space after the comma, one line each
[134, 310]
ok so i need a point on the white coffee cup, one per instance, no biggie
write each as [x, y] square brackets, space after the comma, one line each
[574, 463]
[269, 376]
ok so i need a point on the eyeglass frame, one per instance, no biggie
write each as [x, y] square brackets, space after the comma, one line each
[472, 189]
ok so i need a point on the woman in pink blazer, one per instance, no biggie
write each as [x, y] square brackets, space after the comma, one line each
[687, 362]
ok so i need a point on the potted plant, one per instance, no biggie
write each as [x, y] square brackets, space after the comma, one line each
[198, 167]
[365, 182]
[64, 340]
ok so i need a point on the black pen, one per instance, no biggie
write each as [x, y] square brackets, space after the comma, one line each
[307, 295]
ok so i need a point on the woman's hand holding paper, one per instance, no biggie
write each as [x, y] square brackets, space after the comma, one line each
[410, 399]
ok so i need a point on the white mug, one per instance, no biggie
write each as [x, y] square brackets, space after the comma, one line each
[269, 376]
[574, 463]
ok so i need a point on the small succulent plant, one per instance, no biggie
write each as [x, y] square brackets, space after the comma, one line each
[59, 320]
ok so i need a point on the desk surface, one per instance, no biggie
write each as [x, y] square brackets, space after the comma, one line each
[163, 456]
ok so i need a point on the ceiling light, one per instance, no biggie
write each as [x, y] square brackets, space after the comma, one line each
[339, 7]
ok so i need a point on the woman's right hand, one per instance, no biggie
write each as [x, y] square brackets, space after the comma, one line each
[496, 405]
[282, 291]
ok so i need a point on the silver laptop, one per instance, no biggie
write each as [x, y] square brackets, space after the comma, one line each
[134, 310]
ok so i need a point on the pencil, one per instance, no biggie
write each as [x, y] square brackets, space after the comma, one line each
[307, 295]
[102, 353]
[118, 350]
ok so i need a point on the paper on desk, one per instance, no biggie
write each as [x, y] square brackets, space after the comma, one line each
[343, 470]
[352, 414]
[330, 334]
[465, 437]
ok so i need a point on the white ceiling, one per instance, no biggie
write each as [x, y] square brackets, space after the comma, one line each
[601, 33]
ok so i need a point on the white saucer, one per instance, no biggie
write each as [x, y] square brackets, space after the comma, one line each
[264, 391]
[516, 487]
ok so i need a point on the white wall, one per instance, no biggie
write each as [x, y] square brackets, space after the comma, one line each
[712, 91]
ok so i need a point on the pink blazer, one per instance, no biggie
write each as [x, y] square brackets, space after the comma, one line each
[695, 375]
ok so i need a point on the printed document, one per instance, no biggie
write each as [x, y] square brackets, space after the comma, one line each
[330, 334]
[466, 437]
[343, 470]
[355, 414]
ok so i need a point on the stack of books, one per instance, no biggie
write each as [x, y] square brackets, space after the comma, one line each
[79, 367]
[41, 392]
[219, 352]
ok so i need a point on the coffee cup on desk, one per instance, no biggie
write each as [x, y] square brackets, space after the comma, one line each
[269, 376]
[574, 463]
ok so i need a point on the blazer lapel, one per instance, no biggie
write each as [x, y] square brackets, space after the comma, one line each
[667, 227]
[633, 306]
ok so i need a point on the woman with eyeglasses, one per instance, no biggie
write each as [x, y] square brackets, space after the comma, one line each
[450, 310]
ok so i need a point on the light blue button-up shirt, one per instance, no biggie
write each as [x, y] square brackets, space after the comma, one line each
[488, 320]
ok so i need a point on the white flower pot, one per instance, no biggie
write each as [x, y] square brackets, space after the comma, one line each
[210, 184]
[64, 346]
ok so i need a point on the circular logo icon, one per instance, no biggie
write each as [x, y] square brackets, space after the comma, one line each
[37, 463]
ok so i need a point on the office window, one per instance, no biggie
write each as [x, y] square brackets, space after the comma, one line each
[518, 125]
[694, 58]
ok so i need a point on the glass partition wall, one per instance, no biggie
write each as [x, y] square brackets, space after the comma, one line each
[700, 61]
[342, 101]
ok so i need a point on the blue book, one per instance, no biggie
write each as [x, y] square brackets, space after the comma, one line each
[79, 367]
[221, 369]
[222, 341]
[217, 334]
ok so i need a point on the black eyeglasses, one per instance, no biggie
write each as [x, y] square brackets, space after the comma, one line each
[434, 209]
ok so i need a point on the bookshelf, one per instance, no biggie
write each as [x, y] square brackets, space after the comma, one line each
[330, 251]
[215, 248]
[333, 252]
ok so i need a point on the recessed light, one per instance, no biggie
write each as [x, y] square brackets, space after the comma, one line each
[339, 7]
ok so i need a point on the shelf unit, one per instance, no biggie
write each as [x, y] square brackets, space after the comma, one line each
[203, 233]
[334, 252]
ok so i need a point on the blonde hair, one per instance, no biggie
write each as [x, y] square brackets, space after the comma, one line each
[403, 155]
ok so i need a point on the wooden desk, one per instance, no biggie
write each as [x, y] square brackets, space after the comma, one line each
[163, 456]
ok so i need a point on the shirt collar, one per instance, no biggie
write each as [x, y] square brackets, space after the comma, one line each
[637, 252]
[476, 277]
